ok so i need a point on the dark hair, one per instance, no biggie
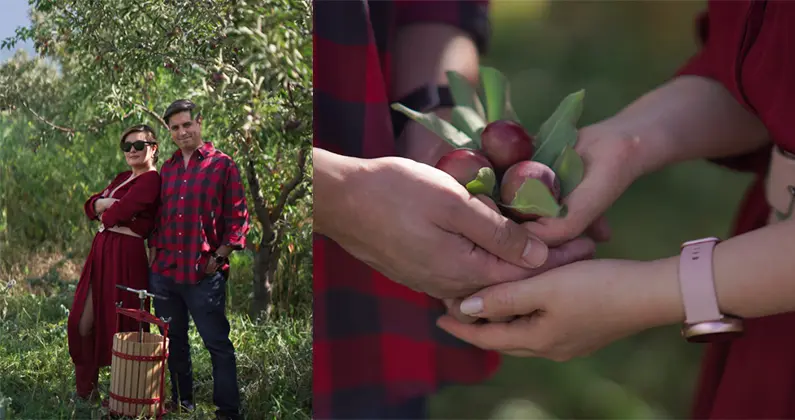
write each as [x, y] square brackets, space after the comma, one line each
[150, 136]
[180, 106]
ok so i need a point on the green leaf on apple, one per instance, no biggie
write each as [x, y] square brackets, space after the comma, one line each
[533, 197]
[570, 169]
[494, 86]
[559, 130]
[484, 183]
[438, 126]
[469, 122]
[464, 94]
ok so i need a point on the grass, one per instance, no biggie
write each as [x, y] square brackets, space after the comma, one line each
[37, 376]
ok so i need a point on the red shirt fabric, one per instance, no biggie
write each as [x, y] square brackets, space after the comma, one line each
[748, 47]
[203, 207]
[374, 339]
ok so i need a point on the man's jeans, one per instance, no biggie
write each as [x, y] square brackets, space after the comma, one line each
[206, 303]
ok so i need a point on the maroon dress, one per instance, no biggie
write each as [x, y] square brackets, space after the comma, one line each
[749, 46]
[115, 258]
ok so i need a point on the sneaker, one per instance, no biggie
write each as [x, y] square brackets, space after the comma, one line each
[184, 405]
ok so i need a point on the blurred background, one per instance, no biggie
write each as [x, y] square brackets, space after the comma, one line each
[616, 51]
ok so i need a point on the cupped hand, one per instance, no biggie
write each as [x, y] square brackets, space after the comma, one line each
[419, 227]
[609, 156]
[569, 311]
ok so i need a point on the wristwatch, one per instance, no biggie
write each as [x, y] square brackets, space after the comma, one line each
[219, 259]
[703, 320]
[423, 99]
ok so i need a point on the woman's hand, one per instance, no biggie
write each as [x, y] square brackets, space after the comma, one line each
[610, 158]
[573, 310]
[103, 204]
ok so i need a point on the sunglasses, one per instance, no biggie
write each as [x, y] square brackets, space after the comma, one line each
[138, 145]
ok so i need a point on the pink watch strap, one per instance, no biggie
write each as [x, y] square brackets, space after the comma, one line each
[697, 282]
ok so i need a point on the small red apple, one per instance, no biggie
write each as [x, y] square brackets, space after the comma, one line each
[517, 174]
[463, 164]
[506, 142]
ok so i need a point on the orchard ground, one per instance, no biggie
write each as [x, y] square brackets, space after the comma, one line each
[37, 377]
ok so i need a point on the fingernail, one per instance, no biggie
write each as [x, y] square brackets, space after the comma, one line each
[535, 253]
[472, 306]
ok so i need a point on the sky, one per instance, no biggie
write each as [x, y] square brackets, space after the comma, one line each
[14, 14]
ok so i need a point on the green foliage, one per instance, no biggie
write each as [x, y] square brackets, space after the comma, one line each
[105, 66]
[37, 379]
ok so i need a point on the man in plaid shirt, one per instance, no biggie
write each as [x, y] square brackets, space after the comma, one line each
[383, 222]
[203, 218]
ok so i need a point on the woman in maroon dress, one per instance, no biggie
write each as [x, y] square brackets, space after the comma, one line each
[731, 103]
[126, 211]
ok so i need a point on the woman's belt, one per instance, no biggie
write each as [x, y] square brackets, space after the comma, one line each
[124, 230]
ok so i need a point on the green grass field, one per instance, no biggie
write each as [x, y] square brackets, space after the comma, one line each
[616, 51]
[37, 377]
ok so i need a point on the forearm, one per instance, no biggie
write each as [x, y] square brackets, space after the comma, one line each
[685, 119]
[752, 273]
[423, 55]
[330, 182]
[424, 52]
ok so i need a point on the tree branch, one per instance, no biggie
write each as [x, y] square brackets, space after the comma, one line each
[94, 128]
[150, 112]
[288, 188]
[297, 193]
[260, 208]
[67, 130]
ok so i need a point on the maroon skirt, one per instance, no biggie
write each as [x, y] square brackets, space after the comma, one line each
[115, 258]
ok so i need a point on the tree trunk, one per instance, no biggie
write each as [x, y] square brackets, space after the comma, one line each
[261, 282]
[266, 261]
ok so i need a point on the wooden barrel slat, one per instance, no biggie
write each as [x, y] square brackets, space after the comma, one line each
[136, 379]
[114, 376]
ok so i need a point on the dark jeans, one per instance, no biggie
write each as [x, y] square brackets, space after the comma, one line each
[206, 304]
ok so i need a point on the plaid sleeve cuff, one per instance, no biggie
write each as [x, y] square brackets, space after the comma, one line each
[471, 16]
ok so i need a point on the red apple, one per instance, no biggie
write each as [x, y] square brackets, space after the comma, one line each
[506, 142]
[517, 174]
[463, 164]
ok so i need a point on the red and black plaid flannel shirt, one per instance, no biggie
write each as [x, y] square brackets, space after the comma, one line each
[203, 207]
[375, 340]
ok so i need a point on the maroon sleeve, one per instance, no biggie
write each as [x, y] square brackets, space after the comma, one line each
[88, 206]
[141, 195]
[702, 64]
[471, 16]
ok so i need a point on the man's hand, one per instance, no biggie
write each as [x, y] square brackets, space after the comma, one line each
[419, 227]
[211, 266]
